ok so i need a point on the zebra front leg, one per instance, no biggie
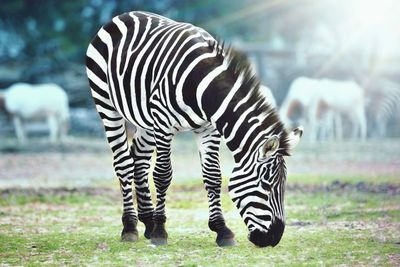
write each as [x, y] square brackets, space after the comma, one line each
[162, 176]
[208, 143]
[114, 126]
[142, 149]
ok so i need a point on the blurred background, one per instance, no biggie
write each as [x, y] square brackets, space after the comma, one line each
[333, 66]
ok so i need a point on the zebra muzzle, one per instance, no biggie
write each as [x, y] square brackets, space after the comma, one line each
[270, 238]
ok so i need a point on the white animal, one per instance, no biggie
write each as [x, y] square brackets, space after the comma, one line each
[335, 100]
[322, 103]
[26, 102]
[298, 100]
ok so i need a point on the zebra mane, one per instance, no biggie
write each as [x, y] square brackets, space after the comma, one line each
[239, 64]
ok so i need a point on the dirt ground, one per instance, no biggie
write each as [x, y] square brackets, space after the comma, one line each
[87, 162]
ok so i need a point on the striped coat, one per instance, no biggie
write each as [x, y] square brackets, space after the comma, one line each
[164, 77]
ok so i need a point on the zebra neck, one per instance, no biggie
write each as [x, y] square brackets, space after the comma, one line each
[240, 112]
[245, 126]
[245, 135]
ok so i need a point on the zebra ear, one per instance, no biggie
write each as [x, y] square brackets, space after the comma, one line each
[294, 137]
[270, 146]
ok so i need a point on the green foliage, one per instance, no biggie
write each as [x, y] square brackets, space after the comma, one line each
[61, 30]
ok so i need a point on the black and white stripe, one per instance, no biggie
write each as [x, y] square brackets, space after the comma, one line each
[165, 76]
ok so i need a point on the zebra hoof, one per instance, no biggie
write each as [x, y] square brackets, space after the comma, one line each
[225, 237]
[159, 241]
[147, 234]
[148, 230]
[129, 237]
[226, 242]
[159, 236]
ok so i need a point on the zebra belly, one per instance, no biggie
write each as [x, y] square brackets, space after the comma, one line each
[168, 119]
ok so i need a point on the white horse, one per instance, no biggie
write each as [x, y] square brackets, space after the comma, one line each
[299, 98]
[334, 101]
[25, 103]
[322, 103]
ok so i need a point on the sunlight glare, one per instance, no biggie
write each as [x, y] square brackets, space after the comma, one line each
[373, 14]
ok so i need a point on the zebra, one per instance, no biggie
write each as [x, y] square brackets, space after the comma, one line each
[165, 77]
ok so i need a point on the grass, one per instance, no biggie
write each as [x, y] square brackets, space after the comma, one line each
[80, 229]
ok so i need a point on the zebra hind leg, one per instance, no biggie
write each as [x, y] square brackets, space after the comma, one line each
[208, 143]
[114, 126]
[162, 176]
[115, 129]
[142, 150]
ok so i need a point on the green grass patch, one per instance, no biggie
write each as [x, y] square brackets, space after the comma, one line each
[316, 245]
[323, 228]
[54, 199]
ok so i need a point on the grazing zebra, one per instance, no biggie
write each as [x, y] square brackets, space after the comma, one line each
[164, 77]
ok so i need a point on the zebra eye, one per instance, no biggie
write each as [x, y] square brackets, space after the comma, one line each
[266, 186]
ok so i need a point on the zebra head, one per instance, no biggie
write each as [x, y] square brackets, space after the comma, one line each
[257, 187]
